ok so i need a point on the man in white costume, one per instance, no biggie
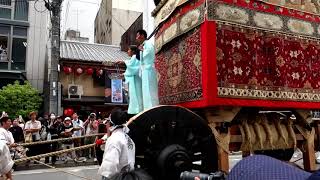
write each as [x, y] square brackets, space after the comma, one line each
[119, 154]
[5, 134]
[6, 162]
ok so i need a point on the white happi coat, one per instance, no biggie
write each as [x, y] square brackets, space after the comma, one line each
[119, 154]
[6, 162]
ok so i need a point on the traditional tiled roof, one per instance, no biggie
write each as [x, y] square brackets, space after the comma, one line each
[71, 50]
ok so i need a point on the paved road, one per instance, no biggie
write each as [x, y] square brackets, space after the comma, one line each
[90, 172]
[80, 173]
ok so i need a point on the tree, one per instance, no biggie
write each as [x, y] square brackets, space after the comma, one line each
[19, 99]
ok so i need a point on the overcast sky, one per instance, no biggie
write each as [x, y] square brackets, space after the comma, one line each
[79, 15]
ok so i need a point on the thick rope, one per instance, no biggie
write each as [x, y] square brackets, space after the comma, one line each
[53, 153]
[59, 140]
[61, 170]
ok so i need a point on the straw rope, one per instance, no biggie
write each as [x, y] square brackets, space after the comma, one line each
[53, 153]
[59, 140]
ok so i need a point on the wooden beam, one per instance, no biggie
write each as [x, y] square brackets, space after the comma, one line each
[225, 114]
[317, 136]
[238, 138]
[223, 160]
[309, 156]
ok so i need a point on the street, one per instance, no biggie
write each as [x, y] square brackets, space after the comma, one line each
[90, 172]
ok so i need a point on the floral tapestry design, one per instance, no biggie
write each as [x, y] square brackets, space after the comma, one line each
[179, 68]
[260, 65]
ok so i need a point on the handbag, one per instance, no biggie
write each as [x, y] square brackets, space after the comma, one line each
[28, 138]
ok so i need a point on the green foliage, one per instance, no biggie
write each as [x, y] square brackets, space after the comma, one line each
[17, 99]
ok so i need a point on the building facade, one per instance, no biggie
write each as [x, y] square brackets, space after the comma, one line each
[23, 37]
[102, 23]
[73, 35]
[114, 18]
[84, 68]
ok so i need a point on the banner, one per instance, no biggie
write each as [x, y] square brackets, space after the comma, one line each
[116, 91]
[113, 91]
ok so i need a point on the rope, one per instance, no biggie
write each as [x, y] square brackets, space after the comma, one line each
[53, 153]
[61, 170]
[58, 140]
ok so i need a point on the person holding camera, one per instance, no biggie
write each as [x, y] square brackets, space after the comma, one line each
[67, 132]
[54, 130]
[91, 127]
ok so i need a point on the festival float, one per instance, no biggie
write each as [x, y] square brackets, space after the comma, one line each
[233, 75]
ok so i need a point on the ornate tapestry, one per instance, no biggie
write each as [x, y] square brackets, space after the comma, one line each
[260, 15]
[255, 64]
[167, 9]
[179, 70]
[301, 5]
[189, 17]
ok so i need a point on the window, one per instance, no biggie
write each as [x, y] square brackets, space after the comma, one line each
[4, 44]
[19, 49]
[19, 31]
[4, 49]
[5, 13]
[19, 9]
[13, 47]
[5, 2]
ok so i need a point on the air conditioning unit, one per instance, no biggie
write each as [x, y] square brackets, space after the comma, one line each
[75, 90]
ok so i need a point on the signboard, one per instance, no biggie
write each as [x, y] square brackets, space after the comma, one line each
[113, 91]
[116, 91]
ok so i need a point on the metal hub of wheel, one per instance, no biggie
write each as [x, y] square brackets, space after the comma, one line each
[172, 139]
[172, 160]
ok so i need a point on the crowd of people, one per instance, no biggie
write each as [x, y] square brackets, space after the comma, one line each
[14, 132]
[52, 127]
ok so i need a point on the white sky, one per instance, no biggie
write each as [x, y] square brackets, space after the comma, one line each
[79, 15]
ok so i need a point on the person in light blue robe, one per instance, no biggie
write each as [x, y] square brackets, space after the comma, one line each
[148, 71]
[134, 82]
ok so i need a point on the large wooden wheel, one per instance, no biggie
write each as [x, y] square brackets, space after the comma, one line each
[172, 139]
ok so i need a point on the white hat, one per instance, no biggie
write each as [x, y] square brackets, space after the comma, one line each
[67, 119]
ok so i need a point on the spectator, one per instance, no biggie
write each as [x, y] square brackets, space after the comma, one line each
[46, 135]
[5, 134]
[103, 128]
[119, 154]
[32, 129]
[55, 130]
[91, 125]
[21, 122]
[78, 129]
[6, 162]
[66, 132]
[17, 132]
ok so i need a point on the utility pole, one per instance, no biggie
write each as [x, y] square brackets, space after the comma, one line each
[55, 9]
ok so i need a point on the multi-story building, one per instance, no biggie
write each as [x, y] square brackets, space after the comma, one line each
[23, 37]
[73, 35]
[114, 18]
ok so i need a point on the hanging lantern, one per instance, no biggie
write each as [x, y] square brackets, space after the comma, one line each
[99, 72]
[67, 70]
[89, 71]
[68, 112]
[79, 71]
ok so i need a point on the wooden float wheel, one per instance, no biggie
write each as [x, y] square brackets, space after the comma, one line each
[171, 140]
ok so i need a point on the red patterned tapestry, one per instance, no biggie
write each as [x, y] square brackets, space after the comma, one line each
[254, 64]
[179, 68]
